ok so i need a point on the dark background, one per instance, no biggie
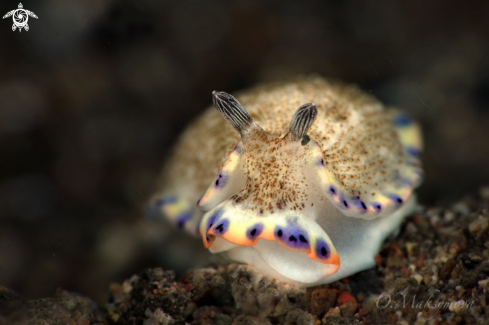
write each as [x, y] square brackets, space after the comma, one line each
[95, 93]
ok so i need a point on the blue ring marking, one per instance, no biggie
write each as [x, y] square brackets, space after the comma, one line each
[166, 200]
[413, 152]
[222, 227]
[361, 205]
[402, 121]
[377, 206]
[254, 231]
[332, 190]
[322, 250]
[279, 233]
[343, 203]
[210, 222]
[397, 199]
[293, 236]
[221, 180]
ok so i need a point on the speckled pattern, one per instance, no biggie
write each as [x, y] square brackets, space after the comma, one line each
[370, 165]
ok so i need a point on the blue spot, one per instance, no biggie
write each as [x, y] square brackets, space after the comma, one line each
[166, 200]
[332, 190]
[362, 205]
[238, 149]
[254, 231]
[321, 162]
[397, 199]
[343, 201]
[413, 152]
[402, 121]
[322, 250]
[183, 219]
[221, 180]
[293, 236]
[377, 206]
[222, 227]
[359, 203]
[214, 218]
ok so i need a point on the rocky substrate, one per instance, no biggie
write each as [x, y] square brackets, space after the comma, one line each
[436, 271]
[64, 308]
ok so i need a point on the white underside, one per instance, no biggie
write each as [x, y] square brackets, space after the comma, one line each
[356, 240]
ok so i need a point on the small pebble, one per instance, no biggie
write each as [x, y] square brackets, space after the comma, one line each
[447, 269]
[411, 248]
[484, 284]
[344, 297]
[332, 312]
[418, 278]
[479, 225]
[322, 300]
[459, 307]
[348, 308]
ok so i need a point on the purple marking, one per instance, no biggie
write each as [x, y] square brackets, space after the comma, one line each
[222, 226]
[183, 219]
[332, 190]
[166, 200]
[344, 203]
[238, 149]
[377, 206]
[322, 250]
[292, 236]
[221, 180]
[413, 152]
[359, 203]
[402, 121]
[254, 231]
[321, 162]
[397, 199]
[214, 218]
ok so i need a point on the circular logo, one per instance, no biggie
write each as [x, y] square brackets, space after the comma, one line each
[20, 17]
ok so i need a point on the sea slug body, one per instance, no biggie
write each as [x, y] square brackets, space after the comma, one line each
[302, 180]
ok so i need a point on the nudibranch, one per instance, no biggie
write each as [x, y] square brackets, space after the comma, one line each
[307, 178]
